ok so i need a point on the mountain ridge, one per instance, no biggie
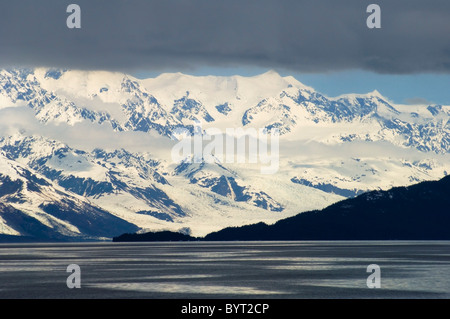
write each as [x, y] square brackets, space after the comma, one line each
[375, 215]
[107, 138]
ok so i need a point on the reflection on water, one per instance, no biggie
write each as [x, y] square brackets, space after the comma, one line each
[191, 289]
[226, 270]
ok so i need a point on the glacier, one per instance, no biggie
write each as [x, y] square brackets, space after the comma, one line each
[103, 140]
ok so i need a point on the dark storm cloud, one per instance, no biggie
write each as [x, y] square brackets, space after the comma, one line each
[307, 36]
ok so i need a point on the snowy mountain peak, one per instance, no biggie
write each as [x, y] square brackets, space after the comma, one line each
[270, 75]
[329, 148]
[353, 96]
[375, 93]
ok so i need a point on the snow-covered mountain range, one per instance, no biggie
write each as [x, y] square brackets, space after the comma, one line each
[88, 153]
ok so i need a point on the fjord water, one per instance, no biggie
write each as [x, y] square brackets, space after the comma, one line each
[258, 270]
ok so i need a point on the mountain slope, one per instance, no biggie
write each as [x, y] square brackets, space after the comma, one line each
[108, 139]
[32, 206]
[418, 212]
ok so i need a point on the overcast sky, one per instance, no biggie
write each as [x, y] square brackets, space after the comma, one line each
[293, 36]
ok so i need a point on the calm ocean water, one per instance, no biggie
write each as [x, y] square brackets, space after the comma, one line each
[226, 270]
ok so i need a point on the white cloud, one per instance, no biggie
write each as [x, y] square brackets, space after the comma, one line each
[84, 135]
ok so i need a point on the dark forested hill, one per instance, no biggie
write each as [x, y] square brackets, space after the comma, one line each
[418, 212]
[421, 211]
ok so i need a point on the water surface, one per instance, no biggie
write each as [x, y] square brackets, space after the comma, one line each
[226, 270]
